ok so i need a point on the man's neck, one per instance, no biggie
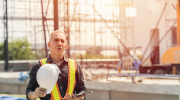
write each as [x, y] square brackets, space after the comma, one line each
[57, 58]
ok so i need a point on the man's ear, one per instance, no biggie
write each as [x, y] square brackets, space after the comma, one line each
[66, 46]
[49, 44]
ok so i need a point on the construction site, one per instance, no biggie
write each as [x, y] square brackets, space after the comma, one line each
[127, 49]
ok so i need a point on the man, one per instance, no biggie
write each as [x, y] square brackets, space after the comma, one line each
[57, 45]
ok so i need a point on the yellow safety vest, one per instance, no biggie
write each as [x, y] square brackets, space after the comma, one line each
[72, 66]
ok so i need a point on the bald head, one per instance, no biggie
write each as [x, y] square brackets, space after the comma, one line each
[57, 44]
[55, 32]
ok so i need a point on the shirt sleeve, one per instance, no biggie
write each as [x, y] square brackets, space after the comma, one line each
[32, 81]
[80, 86]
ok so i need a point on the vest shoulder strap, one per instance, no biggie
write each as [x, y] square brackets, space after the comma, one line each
[72, 67]
[43, 61]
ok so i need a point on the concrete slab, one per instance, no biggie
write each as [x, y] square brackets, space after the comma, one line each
[117, 88]
[117, 95]
[131, 87]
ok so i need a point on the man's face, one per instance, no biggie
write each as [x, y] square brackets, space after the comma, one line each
[57, 44]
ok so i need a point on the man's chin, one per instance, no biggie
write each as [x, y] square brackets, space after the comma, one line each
[59, 53]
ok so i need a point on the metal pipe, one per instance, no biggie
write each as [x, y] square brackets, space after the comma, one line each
[56, 21]
[6, 53]
[44, 29]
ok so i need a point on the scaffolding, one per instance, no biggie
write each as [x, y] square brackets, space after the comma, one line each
[170, 18]
[86, 23]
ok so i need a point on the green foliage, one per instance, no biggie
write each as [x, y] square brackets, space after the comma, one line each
[92, 56]
[40, 54]
[95, 53]
[94, 50]
[19, 49]
[4, 93]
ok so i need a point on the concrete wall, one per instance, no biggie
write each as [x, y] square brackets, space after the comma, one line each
[118, 95]
[13, 88]
[131, 91]
[16, 66]
[115, 95]
[108, 90]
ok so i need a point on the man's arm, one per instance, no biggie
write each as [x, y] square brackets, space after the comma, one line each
[80, 86]
[39, 92]
[73, 97]
[32, 85]
[30, 95]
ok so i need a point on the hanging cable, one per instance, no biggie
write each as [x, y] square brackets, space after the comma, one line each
[154, 31]
[159, 42]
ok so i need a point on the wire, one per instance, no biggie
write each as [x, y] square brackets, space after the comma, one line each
[154, 31]
[73, 13]
[159, 42]
[110, 29]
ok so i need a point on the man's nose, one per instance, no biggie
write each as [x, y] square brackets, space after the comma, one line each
[59, 43]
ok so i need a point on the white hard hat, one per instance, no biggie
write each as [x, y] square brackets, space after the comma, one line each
[47, 76]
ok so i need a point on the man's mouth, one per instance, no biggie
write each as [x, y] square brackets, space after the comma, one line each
[59, 47]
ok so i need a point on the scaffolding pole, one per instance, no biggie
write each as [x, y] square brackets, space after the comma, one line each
[6, 55]
[44, 29]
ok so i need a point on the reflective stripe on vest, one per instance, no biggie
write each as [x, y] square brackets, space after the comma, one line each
[71, 76]
[72, 66]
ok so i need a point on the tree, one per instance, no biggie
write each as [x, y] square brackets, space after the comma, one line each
[19, 49]
[94, 50]
[93, 53]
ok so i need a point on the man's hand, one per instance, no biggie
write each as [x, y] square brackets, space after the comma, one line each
[39, 92]
[73, 97]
